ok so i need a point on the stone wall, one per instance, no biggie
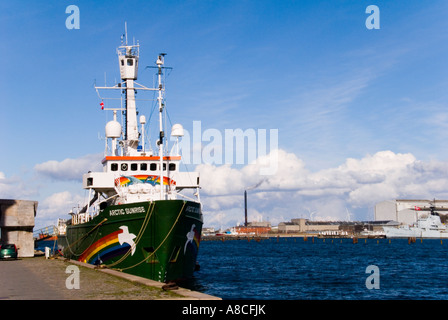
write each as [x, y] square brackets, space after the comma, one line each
[17, 223]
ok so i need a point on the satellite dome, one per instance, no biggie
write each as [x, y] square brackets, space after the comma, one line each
[177, 130]
[113, 129]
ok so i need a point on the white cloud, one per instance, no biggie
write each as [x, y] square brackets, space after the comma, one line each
[70, 169]
[15, 188]
[57, 205]
[294, 191]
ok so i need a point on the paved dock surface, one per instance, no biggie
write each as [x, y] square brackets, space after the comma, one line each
[45, 279]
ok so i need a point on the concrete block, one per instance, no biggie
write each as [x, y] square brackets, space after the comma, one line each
[17, 213]
[17, 223]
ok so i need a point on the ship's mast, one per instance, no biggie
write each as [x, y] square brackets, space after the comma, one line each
[126, 150]
[159, 63]
[128, 56]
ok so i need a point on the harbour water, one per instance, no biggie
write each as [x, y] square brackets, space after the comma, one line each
[323, 269]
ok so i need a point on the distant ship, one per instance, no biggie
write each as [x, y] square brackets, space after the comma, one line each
[52, 237]
[138, 218]
[426, 227]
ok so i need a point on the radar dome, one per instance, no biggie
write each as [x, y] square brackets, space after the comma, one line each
[113, 129]
[177, 130]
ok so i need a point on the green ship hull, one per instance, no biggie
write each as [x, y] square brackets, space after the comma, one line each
[158, 240]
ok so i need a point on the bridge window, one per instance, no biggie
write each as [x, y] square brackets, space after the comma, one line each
[172, 167]
[114, 166]
[153, 166]
[134, 166]
[124, 167]
[143, 166]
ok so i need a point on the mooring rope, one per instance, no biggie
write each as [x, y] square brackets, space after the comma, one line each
[139, 236]
[83, 237]
[166, 237]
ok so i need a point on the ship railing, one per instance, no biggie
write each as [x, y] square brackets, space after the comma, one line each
[93, 211]
[79, 218]
[186, 197]
[45, 232]
[142, 192]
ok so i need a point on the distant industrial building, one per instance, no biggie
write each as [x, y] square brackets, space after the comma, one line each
[332, 228]
[390, 212]
[254, 228]
[406, 211]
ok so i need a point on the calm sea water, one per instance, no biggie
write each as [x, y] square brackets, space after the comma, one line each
[294, 269]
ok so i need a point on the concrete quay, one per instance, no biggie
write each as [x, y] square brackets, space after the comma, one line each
[38, 278]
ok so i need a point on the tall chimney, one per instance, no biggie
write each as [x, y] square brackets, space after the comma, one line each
[245, 208]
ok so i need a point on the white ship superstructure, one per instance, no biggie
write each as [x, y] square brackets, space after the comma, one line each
[429, 226]
[131, 173]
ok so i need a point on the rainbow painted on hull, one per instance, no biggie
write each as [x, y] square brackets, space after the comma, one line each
[158, 240]
[106, 248]
[153, 180]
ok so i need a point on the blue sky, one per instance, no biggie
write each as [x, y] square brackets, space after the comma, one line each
[361, 114]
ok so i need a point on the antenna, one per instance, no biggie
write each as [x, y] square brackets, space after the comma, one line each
[126, 32]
